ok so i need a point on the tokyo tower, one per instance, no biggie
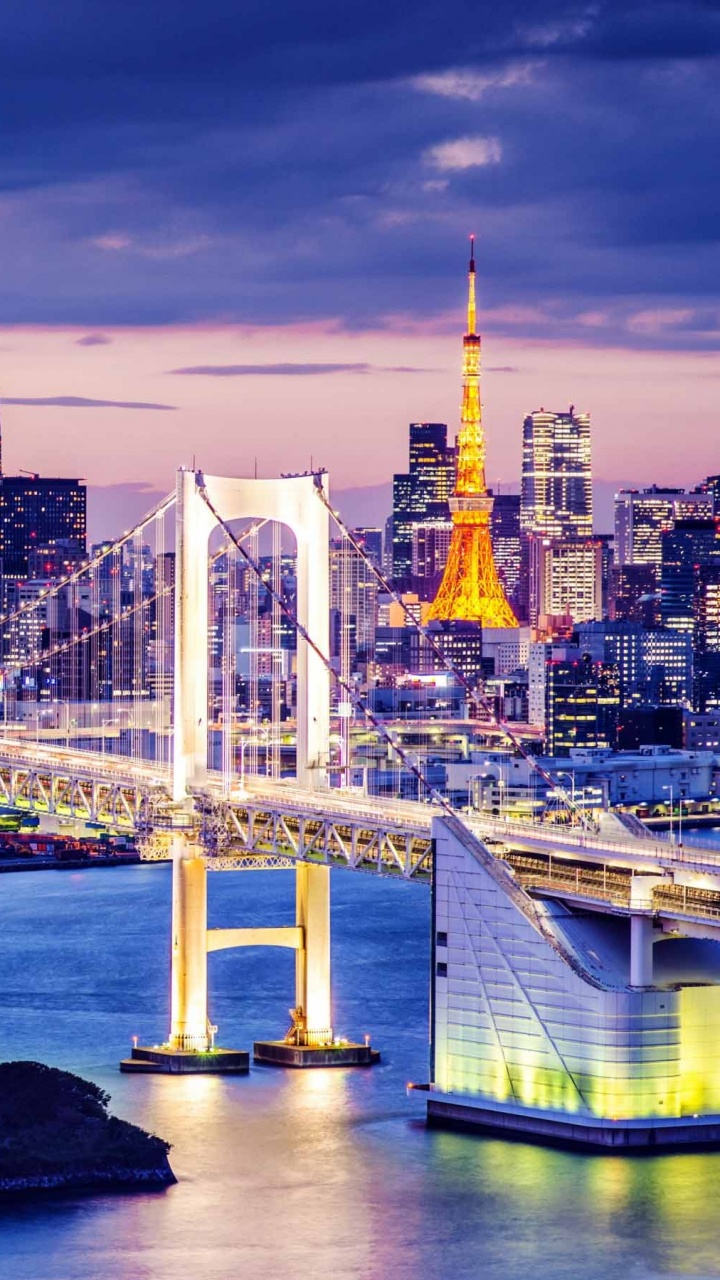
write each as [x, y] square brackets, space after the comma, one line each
[470, 590]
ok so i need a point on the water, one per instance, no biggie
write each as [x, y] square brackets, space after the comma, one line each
[308, 1174]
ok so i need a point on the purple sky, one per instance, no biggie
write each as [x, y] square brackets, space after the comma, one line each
[240, 234]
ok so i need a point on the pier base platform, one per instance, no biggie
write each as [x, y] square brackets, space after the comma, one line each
[276, 1053]
[182, 1062]
[648, 1135]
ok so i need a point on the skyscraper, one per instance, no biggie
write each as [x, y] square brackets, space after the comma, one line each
[556, 495]
[505, 534]
[471, 590]
[563, 561]
[643, 516]
[421, 494]
[37, 512]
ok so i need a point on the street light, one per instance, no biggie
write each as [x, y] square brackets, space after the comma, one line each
[113, 720]
[670, 789]
[565, 773]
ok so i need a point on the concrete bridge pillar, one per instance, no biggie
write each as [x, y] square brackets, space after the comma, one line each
[312, 960]
[188, 1007]
[641, 951]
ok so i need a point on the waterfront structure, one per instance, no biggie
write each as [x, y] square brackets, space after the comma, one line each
[421, 495]
[642, 516]
[541, 1026]
[471, 590]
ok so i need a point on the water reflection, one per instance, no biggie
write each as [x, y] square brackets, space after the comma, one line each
[317, 1173]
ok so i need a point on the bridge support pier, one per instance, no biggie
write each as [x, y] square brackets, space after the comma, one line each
[641, 951]
[310, 1041]
[312, 961]
[190, 1047]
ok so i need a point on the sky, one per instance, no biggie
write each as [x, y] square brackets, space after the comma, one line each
[238, 233]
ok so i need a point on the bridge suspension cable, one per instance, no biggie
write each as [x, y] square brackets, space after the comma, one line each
[474, 691]
[344, 684]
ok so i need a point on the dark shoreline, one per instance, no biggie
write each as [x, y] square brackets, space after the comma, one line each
[57, 1135]
[12, 865]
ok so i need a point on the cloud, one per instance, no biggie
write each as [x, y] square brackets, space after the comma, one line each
[471, 85]
[93, 340]
[281, 187]
[80, 402]
[287, 370]
[464, 153]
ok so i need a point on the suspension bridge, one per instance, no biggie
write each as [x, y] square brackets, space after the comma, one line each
[187, 686]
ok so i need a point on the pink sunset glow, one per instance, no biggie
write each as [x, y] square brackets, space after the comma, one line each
[652, 411]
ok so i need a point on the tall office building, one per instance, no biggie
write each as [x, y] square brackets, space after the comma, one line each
[685, 549]
[642, 516]
[505, 535]
[421, 495]
[371, 541]
[471, 591]
[562, 562]
[353, 600]
[706, 638]
[38, 512]
[556, 493]
[655, 666]
[430, 548]
[582, 705]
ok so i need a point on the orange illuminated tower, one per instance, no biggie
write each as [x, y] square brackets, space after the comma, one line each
[471, 590]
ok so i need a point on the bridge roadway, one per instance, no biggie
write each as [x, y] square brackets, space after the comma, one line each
[268, 823]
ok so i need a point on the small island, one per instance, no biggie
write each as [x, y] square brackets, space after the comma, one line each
[56, 1134]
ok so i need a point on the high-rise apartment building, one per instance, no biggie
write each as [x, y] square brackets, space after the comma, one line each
[421, 495]
[642, 516]
[565, 579]
[556, 494]
[38, 512]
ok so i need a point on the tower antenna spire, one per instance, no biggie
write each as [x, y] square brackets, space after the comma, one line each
[472, 311]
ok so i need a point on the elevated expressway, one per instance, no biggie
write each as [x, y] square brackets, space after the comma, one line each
[272, 824]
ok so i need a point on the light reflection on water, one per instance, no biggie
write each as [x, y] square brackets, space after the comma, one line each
[306, 1174]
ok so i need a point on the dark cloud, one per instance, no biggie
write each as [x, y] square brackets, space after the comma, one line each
[80, 402]
[93, 340]
[269, 164]
[287, 370]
